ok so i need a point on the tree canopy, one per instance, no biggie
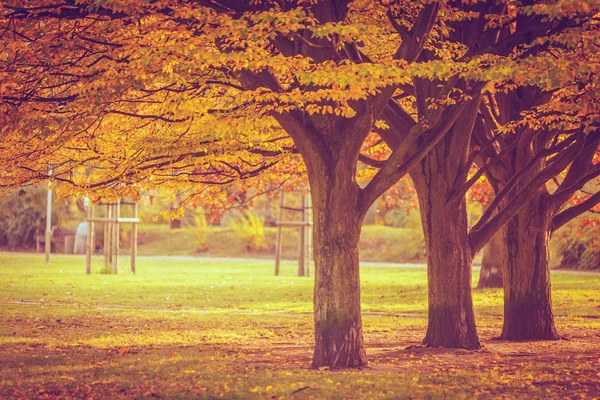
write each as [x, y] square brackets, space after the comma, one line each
[112, 83]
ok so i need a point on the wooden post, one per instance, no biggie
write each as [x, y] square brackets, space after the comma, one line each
[302, 237]
[278, 238]
[110, 234]
[89, 245]
[134, 239]
[48, 243]
[115, 258]
[106, 236]
[92, 232]
[304, 226]
[307, 219]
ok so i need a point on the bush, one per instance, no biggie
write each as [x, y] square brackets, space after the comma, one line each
[399, 218]
[202, 231]
[384, 243]
[23, 217]
[249, 227]
[577, 244]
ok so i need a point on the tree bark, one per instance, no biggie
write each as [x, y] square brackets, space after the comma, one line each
[527, 301]
[438, 179]
[337, 225]
[490, 275]
[451, 320]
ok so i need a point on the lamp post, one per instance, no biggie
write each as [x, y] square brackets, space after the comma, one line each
[49, 220]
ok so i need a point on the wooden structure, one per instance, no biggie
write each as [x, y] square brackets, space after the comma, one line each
[112, 221]
[304, 225]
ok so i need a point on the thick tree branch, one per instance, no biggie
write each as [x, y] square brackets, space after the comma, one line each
[482, 170]
[577, 176]
[572, 212]
[401, 161]
[370, 161]
[414, 41]
[483, 231]
[522, 173]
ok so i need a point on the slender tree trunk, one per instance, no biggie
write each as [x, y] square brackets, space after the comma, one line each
[337, 224]
[451, 320]
[527, 301]
[490, 275]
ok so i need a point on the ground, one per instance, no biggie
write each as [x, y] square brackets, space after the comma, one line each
[184, 328]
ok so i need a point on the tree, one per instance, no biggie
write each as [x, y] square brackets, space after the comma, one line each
[196, 95]
[526, 34]
[515, 161]
[177, 67]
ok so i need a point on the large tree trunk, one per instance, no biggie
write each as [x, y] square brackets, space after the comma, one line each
[451, 318]
[490, 275]
[527, 302]
[337, 224]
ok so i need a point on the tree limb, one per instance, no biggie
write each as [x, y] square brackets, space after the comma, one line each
[483, 231]
[572, 212]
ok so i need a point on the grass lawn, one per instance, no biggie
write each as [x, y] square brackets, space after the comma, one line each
[190, 328]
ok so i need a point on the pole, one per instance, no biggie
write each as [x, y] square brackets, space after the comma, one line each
[302, 236]
[48, 242]
[88, 246]
[307, 219]
[91, 233]
[110, 234]
[116, 213]
[278, 238]
[134, 239]
[106, 236]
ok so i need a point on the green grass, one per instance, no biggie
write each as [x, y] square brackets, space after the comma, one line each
[190, 328]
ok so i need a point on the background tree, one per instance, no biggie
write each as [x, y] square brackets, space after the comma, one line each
[490, 275]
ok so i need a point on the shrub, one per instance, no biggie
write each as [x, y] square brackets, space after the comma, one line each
[249, 227]
[384, 243]
[23, 217]
[202, 231]
[577, 244]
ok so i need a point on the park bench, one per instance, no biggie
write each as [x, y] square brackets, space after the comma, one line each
[66, 237]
